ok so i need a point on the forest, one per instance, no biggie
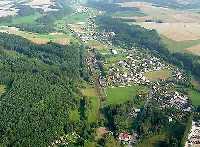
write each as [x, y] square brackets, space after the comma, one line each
[41, 89]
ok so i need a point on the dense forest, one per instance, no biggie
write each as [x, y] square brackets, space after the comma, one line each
[41, 89]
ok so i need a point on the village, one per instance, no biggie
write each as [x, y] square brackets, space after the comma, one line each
[130, 69]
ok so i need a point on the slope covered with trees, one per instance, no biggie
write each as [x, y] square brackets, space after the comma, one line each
[41, 89]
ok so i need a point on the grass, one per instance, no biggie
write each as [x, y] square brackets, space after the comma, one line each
[93, 103]
[195, 97]
[196, 82]
[93, 111]
[98, 45]
[156, 75]
[76, 18]
[152, 141]
[60, 38]
[22, 20]
[2, 89]
[89, 92]
[119, 95]
[74, 115]
[178, 46]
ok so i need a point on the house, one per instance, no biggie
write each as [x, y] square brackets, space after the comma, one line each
[125, 137]
[114, 52]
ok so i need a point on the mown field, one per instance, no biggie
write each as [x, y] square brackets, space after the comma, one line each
[93, 103]
[195, 97]
[119, 95]
[2, 89]
[157, 75]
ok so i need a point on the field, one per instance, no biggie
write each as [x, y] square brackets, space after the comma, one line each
[180, 29]
[195, 97]
[175, 31]
[93, 111]
[179, 46]
[119, 95]
[194, 49]
[94, 103]
[89, 92]
[164, 14]
[7, 8]
[22, 20]
[156, 75]
[2, 89]
[97, 45]
[59, 38]
[42, 4]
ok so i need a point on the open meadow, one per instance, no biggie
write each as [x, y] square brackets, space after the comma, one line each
[119, 95]
[59, 38]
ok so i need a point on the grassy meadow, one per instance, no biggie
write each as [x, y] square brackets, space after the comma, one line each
[195, 97]
[119, 95]
[157, 75]
[2, 89]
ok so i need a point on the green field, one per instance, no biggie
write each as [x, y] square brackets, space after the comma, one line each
[60, 38]
[156, 75]
[76, 18]
[74, 116]
[22, 20]
[2, 89]
[119, 95]
[152, 141]
[195, 97]
[175, 46]
[93, 111]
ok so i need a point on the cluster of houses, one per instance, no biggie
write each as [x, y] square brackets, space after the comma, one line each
[65, 140]
[168, 98]
[194, 135]
[132, 69]
[127, 138]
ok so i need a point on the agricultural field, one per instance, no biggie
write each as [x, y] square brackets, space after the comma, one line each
[59, 38]
[119, 95]
[157, 75]
[179, 29]
[7, 8]
[179, 46]
[42, 4]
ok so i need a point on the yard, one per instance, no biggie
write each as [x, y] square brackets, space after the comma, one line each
[156, 75]
[119, 95]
